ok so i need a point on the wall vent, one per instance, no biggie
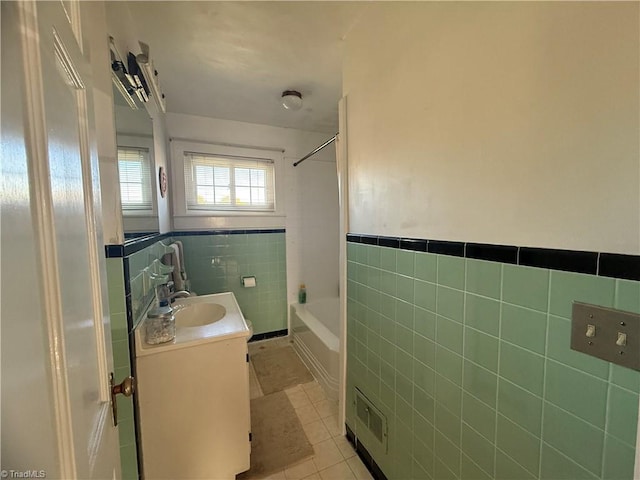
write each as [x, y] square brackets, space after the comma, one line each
[371, 418]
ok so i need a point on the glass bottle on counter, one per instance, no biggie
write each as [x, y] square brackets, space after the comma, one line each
[160, 325]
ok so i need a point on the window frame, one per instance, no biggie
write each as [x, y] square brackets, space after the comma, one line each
[226, 216]
[139, 142]
[232, 163]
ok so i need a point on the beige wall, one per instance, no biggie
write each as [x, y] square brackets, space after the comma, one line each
[513, 123]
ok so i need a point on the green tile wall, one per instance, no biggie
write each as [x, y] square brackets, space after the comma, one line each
[122, 366]
[216, 263]
[142, 293]
[470, 362]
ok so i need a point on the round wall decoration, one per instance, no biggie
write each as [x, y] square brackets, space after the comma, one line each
[162, 180]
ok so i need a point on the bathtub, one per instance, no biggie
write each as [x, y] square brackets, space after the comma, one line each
[315, 329]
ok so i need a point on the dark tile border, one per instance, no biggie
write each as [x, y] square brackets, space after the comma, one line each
[127, 275]
[358, 239]
[365, 456]
[454, 249]
[413, 244]
[389, 242]
[187, 233]
[267, 335]
[619, 266]
[350, 435]
[593, 263]
[134, 245]
[567, 260]
[369, 240]
[114, 251]
[492, 253]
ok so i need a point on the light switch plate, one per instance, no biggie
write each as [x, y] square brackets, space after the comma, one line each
[596, 331]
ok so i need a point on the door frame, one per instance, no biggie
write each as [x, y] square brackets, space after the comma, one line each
[343, 195]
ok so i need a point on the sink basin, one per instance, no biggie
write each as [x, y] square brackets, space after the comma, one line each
[200, 320]
[198, 314]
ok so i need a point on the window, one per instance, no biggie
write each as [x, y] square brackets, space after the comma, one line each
[135, 180]
[215, 182]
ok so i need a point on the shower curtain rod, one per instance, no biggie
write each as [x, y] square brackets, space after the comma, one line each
[332, 139]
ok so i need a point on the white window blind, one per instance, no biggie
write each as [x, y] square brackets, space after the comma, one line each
[135, 180]
[214, 182]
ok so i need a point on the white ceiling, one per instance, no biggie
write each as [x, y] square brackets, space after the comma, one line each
[232, 60]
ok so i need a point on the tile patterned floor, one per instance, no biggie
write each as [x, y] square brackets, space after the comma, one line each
[334, 457]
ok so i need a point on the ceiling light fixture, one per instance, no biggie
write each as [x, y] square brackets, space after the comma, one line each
[291, 100]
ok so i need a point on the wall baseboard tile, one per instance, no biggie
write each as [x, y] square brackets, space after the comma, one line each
[364, 455]
[267, 335]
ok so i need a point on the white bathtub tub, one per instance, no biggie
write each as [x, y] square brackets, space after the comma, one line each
[315, 327]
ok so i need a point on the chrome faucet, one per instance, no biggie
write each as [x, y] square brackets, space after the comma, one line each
[179, 294]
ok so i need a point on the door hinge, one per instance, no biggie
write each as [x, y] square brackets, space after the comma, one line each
[250, 436]
[247, 358]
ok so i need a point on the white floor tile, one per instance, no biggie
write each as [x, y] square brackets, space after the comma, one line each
[310, 385]
[313, 476]
[334, 457]
[316, 393]
[344, 446]
[339, 471]
[290, 390]
[298, 398]
[358, 469]
[326, 408]
[316, 432]
[326, 454]
[307, 414]
[300, 470]
[331, 423]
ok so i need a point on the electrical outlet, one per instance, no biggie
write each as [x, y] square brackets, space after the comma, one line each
[612, 335]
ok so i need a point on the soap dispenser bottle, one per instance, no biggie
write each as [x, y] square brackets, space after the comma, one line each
[302, 294]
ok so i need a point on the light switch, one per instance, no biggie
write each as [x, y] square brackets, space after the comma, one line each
[606, 333]
[622, 339]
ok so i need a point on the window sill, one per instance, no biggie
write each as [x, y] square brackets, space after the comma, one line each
[139, 214]
[214, 221]
[228, 213]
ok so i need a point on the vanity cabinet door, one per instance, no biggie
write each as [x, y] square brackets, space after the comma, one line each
[194, 411]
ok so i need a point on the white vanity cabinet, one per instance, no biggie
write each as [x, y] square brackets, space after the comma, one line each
[194, 405]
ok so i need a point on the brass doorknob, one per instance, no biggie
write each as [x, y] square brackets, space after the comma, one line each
[126, 388]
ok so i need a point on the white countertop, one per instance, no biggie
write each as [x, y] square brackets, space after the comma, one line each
[232, 325]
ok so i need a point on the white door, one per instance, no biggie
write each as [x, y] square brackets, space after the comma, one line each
[56, 354]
